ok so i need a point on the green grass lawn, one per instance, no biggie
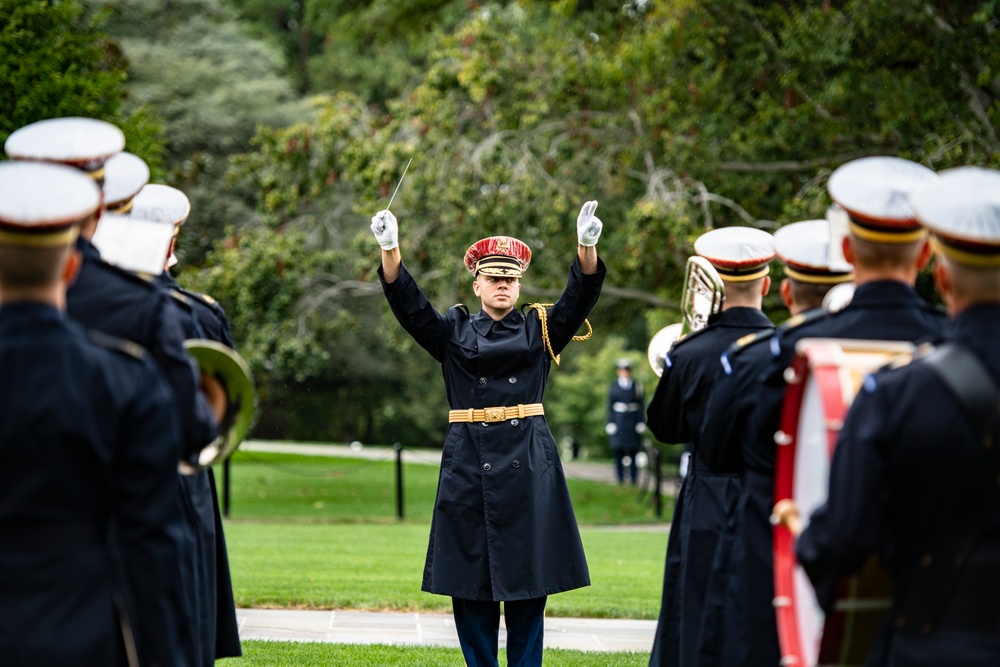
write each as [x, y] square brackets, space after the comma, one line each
[321, 533]
[373, 566]
[289, 654]
[316, 489]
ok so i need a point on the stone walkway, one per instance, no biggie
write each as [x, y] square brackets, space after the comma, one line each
[422, 629]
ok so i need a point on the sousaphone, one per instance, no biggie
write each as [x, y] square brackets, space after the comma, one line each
[701, 298]
[231, 370]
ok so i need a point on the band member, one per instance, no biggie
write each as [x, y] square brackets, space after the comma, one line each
[114, 301]
[929, 425]
[625, 422]
[202, 317]
[887, 247]
[739, 628]
[120, 303]
[503, 527]
[740, 255]
[89, 518]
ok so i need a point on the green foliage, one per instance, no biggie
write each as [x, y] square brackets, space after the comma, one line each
[213, 84]
[56, 60]
[678, 116]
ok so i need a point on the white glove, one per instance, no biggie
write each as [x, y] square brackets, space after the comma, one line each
[386, 230]
[588, 226]
[640, 427]
[611, 429]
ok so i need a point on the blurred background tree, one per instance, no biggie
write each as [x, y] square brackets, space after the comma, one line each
[289, 122]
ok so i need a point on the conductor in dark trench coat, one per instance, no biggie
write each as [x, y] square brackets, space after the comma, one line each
[503, 527]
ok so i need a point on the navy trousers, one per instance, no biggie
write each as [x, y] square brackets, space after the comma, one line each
[478, 626]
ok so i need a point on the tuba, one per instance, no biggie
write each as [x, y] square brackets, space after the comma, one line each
[232, 372]
[701, 298]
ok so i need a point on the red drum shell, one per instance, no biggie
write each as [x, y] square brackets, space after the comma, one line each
[823, 379]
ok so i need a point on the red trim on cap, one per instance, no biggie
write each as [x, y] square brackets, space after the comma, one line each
[502, 246]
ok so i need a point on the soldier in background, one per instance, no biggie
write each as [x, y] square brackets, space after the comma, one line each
[626, 422]
[89, 519]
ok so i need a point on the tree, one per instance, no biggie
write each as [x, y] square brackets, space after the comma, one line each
[56, 60]
[678, 117]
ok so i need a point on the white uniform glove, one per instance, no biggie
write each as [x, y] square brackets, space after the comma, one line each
[611, 429]
[386, 230]
[588, 226]
[640, 428]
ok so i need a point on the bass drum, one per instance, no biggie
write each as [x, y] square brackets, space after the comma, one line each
[823, 379]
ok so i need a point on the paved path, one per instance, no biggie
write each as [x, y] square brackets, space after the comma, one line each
[594, 471]
[421, 629]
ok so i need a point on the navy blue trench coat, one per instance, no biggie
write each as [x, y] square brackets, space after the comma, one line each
[217, 629]
[503, 526]
[708, 495]
[90, 527]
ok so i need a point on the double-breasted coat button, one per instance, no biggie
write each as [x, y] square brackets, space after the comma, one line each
[486, 467]
[514, 422]
[512, 380]
[516, 464]
[482, 380]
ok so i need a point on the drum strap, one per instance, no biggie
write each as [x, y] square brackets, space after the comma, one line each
[959, 521]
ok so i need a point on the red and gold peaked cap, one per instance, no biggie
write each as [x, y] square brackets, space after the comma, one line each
[498, 256]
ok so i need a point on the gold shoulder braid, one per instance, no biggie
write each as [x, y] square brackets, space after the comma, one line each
[542, 317]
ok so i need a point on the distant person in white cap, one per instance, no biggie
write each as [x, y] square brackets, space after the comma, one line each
[915, 475]
[739, 622]
[740, 256]
[90, 523]
[626, 420]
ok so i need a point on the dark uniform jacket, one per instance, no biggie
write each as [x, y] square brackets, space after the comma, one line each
[503, 526]
[215, 618]
[208, 314]
[88, 498]
[122, 304]
[674, 415]
[128, 306]
[905, 443]
[742, 419]
[625, 411]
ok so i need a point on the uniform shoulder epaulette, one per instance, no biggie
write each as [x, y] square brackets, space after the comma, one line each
[794, 322]
[199, 297]
[143, 279]
[462, 307]
[688, 337]
[128, 347]
[743, 342]
[181, 298]
[805, 317]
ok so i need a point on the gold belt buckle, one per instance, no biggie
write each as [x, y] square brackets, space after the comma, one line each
[494, 414]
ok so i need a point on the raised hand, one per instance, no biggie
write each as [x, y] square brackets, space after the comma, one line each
[588, 226]
[386, 229]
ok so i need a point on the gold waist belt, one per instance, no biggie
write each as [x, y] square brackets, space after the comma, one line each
[499, 414]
